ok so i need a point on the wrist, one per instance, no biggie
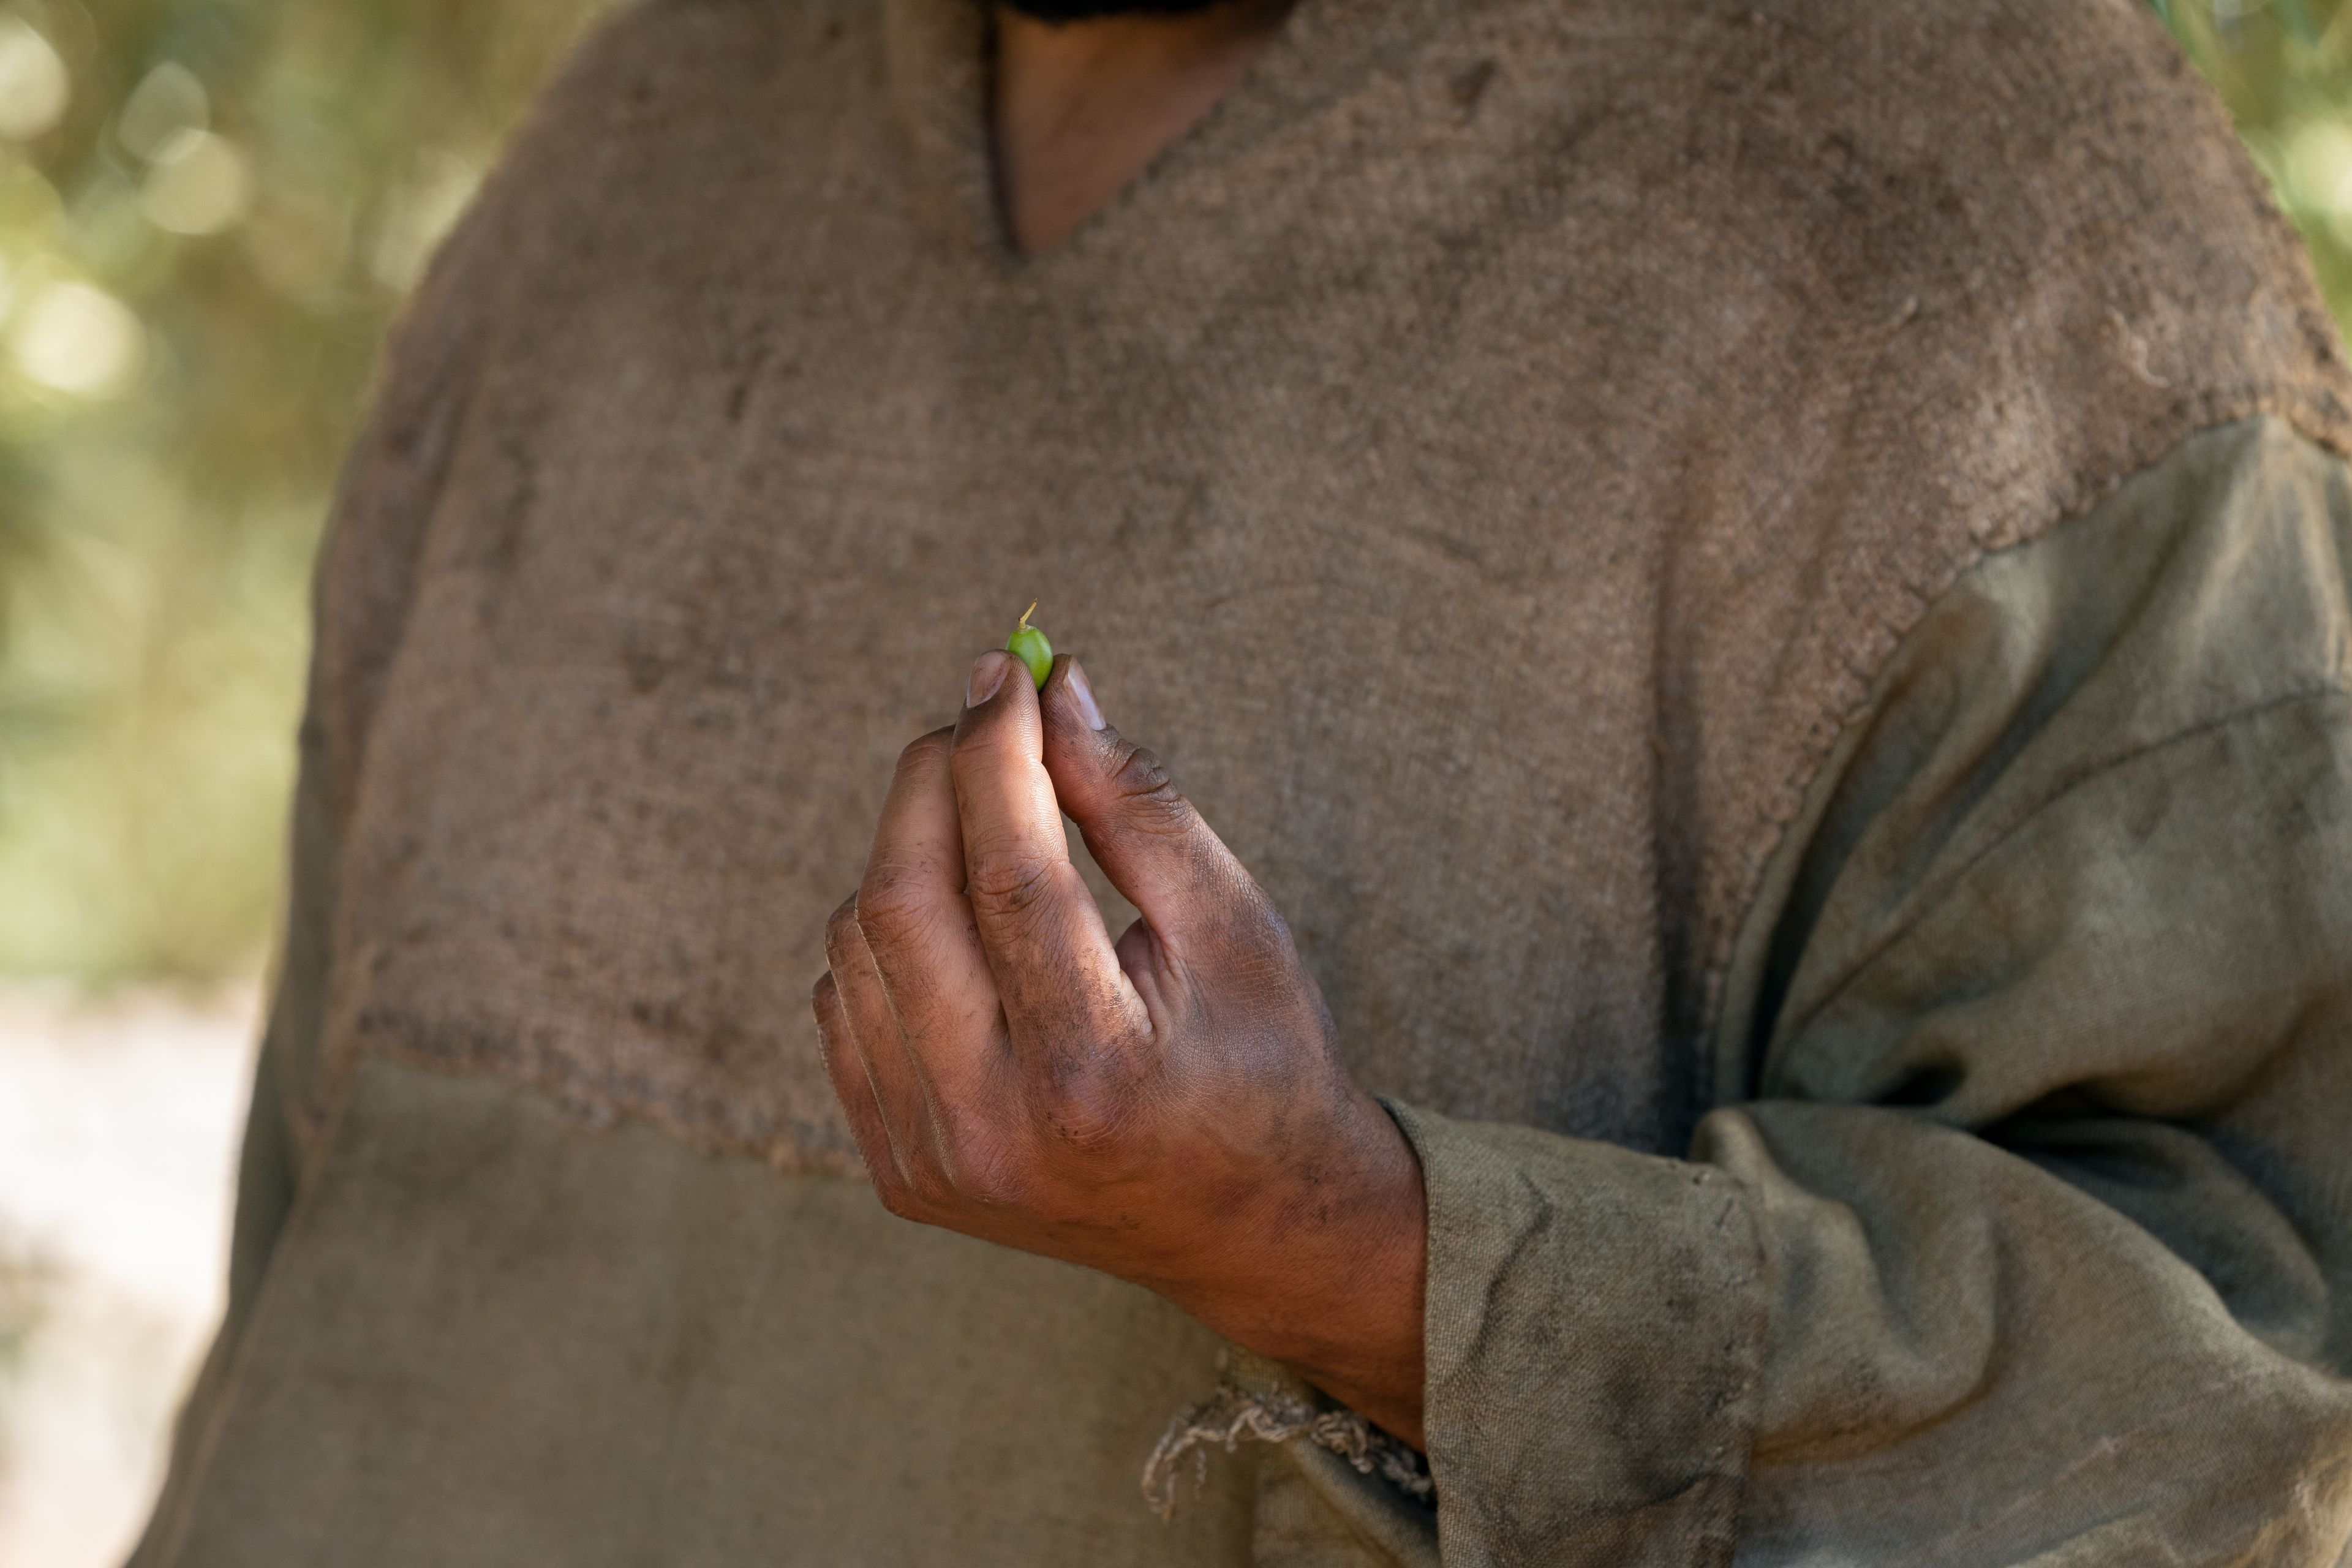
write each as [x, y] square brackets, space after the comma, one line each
[1329, 1278]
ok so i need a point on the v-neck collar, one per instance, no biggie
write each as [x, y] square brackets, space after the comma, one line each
[939, 63]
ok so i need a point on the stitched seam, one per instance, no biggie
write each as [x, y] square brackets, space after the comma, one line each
[2305, 411]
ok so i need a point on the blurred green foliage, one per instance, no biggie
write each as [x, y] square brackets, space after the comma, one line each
[209, 211]
[2285, 67]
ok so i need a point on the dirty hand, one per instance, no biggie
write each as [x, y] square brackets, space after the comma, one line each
[1168, 1109]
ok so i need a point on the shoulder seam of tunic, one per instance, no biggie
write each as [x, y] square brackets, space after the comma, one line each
[2319, 418]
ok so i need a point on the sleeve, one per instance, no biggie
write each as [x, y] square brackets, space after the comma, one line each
[2021, 1229]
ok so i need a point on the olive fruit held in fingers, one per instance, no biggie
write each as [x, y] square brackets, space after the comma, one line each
[1028, 645]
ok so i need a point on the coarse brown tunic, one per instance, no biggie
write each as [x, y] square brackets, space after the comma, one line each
[1574, 489]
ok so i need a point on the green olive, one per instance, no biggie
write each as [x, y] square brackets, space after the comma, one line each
[1028, 645]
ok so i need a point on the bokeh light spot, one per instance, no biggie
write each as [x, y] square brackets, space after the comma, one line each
[2318, 170]
[34, 86]
[75, 339]
[168, 102]
[199, 183]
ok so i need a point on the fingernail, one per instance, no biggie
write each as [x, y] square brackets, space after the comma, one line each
[1083, 695]
[987, 675]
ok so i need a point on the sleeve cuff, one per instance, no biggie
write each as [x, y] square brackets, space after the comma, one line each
[1595, 1334]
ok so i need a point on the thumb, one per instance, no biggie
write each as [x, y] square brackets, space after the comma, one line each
[1143, 833]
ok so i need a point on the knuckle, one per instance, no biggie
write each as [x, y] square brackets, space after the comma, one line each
[926, 751]
[989, 1184]
[1138, 773]
[1006, 886]
[1146, 794]
[894, 1192]
[978, 1165]
[982, 740]
[892, 906]
[927, 1186]
[838, 928]
[1088, 1111]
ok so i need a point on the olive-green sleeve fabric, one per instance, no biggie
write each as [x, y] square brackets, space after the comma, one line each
[2022, 1228]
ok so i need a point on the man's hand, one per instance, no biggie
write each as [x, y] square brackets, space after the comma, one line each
[1168, 1109]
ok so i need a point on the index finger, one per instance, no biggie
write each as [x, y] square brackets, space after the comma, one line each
[1056, 969]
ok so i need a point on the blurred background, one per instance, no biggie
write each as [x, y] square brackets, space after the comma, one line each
[210, 210]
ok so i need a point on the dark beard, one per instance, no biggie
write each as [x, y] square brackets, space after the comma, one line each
[1059, 11]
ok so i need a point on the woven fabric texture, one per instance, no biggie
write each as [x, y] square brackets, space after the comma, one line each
[1490, 458]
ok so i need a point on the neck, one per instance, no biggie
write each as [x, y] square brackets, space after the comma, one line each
[1082, 108]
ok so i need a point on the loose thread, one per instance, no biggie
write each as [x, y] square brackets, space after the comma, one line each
[1233, 1415]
